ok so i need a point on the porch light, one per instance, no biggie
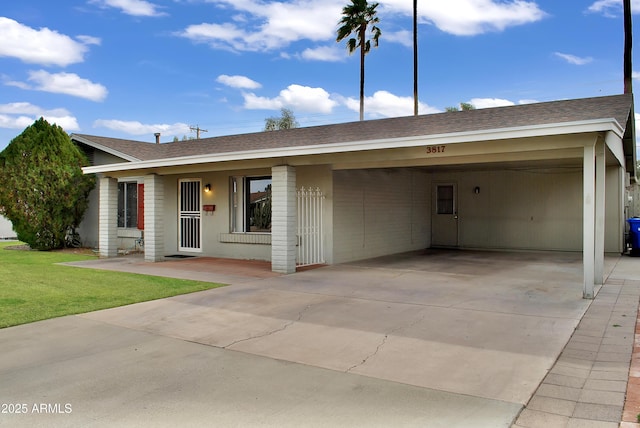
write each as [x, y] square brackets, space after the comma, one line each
[207, 188]
[476, 190]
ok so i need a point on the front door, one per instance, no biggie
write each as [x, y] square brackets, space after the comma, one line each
[190, 212]
[444, 221]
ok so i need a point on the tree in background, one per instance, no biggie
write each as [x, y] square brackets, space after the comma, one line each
[357, 17]
[463, 107]
[43, 191]
[184, 138]
[286, 121]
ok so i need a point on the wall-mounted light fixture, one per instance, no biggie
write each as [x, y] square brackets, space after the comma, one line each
[207, 188]
[476, 190]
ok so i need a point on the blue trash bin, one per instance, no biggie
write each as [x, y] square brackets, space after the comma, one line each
[634, 235]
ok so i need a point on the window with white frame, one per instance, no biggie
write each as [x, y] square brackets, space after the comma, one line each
[251, 204]
[128, 204]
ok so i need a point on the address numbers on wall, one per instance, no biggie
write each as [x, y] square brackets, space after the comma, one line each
[432, 150]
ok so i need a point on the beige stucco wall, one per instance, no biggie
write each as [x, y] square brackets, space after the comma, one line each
[88, 228]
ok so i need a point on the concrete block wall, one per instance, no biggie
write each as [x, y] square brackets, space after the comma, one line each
[153, 218]
[379, 212]
[283, 219]
[108, 217]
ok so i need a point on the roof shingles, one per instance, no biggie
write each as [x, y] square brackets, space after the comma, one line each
[616, 107]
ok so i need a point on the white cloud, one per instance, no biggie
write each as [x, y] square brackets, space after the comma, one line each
[276, 24]
[63, 83]
[20, 115]
[296, 97]
[490, 102]
[404, 37]
[15, 122]
[271, 25]
[470, 17]
[89, 40]
[241, 82]
[131, 7]
[572, 59]
[254, 102]
[42, 46]
[497, 102]
[610, 8]
[138, 128]
[386, 104]
[635, 75]
[331, 53]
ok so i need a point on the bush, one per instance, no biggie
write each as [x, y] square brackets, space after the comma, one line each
[42, 188]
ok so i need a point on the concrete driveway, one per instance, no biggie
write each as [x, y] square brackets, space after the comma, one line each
[436, 338]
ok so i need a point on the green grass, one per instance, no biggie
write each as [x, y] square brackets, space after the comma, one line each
[33, 287]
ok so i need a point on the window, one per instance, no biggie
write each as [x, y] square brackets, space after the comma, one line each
[251, 204]
[128, 204]
[445, 201]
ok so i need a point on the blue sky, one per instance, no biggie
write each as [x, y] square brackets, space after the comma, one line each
[130, 68]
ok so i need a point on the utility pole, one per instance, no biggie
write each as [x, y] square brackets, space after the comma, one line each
[198, 130]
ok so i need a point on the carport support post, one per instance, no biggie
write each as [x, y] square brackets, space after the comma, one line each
[589, 220]
[600, 211]
[283, 219]
[108, 217]
[153, 218]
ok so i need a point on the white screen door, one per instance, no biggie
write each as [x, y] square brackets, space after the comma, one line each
[190, 213]
[444, 220]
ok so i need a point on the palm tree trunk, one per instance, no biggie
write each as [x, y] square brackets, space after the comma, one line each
[362, 55]
[415, 57]
[628, 69]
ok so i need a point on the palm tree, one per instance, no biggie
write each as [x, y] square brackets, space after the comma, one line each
[415, 57]
[628, 73]
[356, 18]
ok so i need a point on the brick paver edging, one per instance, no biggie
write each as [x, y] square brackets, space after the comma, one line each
[587, 385]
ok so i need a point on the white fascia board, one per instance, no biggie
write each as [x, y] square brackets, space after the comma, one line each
[105, 149]
[615, 145]
[599, 125]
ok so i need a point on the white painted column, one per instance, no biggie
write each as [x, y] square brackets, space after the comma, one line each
[588, 221]
[600, 212]
[622, 204]
[153, 218]
[108, 217]
[283, 219]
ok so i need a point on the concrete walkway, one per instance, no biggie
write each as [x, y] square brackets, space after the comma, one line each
[434, 339]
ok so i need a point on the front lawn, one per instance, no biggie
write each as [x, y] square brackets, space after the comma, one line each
[33, 287]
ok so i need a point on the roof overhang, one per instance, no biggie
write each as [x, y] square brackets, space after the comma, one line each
[105, 149]
[567, 128]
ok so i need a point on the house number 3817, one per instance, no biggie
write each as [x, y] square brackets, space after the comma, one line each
[435, 149]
